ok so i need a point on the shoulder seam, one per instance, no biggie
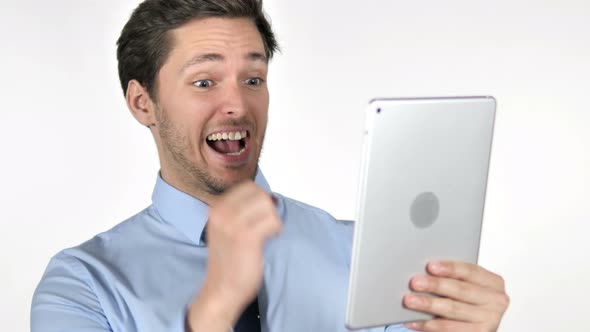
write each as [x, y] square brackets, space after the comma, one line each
[76, 265]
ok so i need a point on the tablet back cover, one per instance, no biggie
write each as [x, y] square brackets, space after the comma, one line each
[421, 198]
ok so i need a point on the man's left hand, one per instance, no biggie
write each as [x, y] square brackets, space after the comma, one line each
[471, 298]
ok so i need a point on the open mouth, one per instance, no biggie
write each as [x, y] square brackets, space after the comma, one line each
[228, 143]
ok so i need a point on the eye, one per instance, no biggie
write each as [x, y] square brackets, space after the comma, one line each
[254, 81]
[203, 83]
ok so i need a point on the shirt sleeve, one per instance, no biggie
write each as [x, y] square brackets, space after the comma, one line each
[64, 300]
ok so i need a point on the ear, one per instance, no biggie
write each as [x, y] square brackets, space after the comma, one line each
[140, 104]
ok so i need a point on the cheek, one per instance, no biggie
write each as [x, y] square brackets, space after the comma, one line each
[193, 110]
[188, 116]
[259, 107]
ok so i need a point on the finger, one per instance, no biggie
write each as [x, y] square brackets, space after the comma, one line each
[255, 208]
[257, 214]
[468, 272]
[455, 289]
[240, 192]
[444, 308]
[246, 203]
[248, 191]
[269, 226]
[441, 325]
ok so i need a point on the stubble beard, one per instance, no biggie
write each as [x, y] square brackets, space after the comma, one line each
[179, 148]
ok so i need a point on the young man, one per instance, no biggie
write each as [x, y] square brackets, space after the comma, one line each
[217, 244]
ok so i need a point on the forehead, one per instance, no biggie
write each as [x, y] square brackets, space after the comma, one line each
[225, 36]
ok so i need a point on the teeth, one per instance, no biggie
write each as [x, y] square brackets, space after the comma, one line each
[236, 153]
[232, 136]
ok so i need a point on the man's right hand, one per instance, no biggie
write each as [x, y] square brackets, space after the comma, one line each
[239, 224]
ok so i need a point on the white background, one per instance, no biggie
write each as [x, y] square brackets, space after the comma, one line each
[75, 163]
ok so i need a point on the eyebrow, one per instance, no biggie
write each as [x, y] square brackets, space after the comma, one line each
[215, 57]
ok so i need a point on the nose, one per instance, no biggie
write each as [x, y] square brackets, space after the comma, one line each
[234, 101]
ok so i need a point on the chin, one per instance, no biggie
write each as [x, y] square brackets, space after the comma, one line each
[236, 175]
[223, 179]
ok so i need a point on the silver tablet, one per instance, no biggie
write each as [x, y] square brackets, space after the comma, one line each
[421, 198]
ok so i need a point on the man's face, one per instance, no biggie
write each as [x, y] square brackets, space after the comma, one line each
[212, 104]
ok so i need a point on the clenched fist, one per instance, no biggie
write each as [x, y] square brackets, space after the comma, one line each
[239, 224]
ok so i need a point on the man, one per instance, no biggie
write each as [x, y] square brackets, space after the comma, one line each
[217, 244]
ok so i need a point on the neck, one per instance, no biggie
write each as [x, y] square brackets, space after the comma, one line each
[187, 185]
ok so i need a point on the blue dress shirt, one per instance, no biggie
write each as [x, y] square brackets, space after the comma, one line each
[142, 274]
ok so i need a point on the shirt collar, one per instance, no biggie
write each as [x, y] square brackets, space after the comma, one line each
[185, 212]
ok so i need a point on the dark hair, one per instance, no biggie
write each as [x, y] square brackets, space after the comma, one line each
[145, 44]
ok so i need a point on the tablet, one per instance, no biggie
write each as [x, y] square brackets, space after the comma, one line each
[421, 198]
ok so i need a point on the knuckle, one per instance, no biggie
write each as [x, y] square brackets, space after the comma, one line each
[453, 308]
[504, 300]
[431, 325]
[243, 214]
[260, 198]
[451, 265]
[428, 303]
[462, 290]
[433, 284]
[457, 310]
[441, 325]
[470, 269]
[457, 269]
